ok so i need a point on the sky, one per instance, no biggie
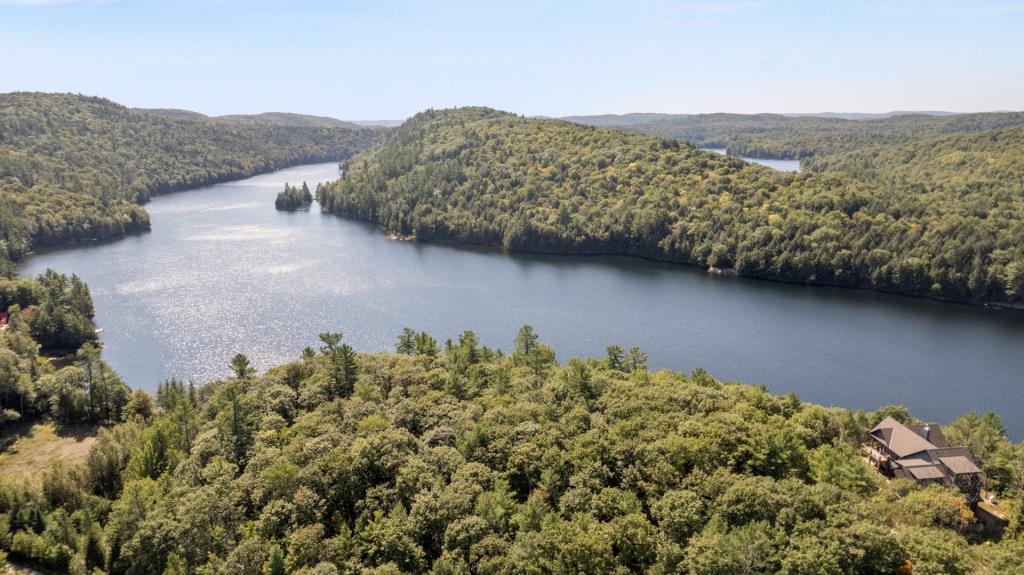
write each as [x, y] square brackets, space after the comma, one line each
[366, 59]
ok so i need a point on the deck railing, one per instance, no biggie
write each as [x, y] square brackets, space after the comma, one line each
[874, 456]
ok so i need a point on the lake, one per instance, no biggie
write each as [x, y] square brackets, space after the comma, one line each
[223, 272]
[781, 165]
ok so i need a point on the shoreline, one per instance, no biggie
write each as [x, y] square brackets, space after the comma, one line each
[1011, 307]
[46, 247]
[676, 294]
[712, 271]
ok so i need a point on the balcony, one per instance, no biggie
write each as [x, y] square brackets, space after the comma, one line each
[875, 457]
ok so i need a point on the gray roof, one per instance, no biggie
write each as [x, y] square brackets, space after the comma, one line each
[959, 464]
[913, 462]
[922, 458]
[932, 433]
[927, 472]
[900, 439]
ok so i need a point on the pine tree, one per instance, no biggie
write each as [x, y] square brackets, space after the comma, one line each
[425, 345]
[526, 340]
[615, 356]
[637, 360]
[343, 365]
[241, 367]
[275, 561]
[406, 342]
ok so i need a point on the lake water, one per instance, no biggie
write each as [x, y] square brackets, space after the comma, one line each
[223, 272]
[781, 165]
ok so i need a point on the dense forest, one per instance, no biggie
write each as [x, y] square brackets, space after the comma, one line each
[796, 137]
[294, 198]
[52, 316]
[931, 227]
[456, 458]
[264, 119]
[75, 167]
[988, 162]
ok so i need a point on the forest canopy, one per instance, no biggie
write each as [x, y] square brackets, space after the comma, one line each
[266, 118]
[52, 316]
[941, 216]
[294, 198]
[798, 137]
[457, 458]
[75, 167]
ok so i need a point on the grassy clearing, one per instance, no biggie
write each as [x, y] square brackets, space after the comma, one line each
[27, 449]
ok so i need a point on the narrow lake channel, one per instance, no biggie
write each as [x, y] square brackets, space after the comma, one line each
[223, 272]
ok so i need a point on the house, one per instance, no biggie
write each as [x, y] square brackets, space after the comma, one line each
[921, 453]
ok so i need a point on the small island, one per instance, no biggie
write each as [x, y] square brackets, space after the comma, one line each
[294, 198]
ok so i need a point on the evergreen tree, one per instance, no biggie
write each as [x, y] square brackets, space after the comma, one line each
[241, 368]
[406, 342]
[425, 344]
[636, 361]
[526, 340]
[344, 368]
[615, 356]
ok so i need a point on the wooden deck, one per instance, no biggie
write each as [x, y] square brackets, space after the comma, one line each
[873, 456]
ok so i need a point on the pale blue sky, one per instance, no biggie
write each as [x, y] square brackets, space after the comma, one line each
[388, 59]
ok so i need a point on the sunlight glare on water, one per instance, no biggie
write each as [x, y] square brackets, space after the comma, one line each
[223, 272]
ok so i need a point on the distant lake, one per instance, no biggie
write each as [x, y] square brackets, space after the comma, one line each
[781, 165]
[223, 272]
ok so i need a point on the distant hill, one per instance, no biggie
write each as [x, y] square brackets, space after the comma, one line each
[635, 118]
[606, 120]
[789, 136]
[76, 168]
[378, 123]
[286, 119]
[931, 210]
[171, 114]
[264, 119]
[870, 116]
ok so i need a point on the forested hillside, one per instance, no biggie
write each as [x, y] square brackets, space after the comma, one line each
[797, 137]
[989, 162]
[75, 167]
[482, 176]
[265, 119]
[52, 316]
[456, 458]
